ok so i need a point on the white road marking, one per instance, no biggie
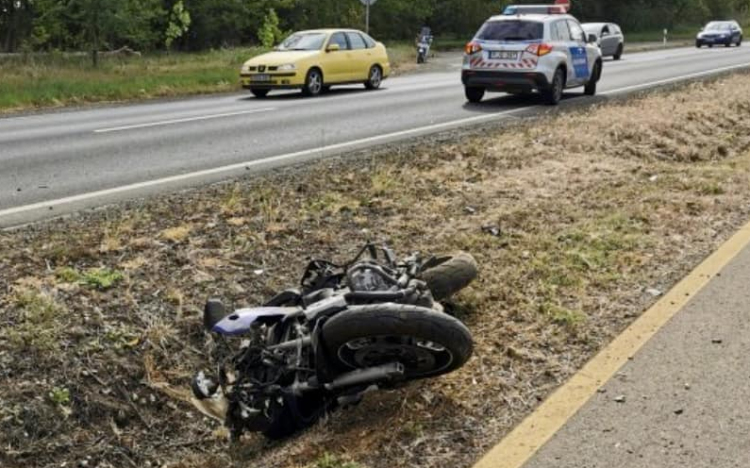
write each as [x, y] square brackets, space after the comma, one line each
[257, 162]
[187, 119]
[322, 150]
[675, 79]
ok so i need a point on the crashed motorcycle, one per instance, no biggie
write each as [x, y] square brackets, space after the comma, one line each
[372, 323]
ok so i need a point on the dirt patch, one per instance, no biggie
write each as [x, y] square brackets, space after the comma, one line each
[100, 326]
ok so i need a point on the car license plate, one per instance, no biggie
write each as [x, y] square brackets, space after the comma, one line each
[260, 78]
[504, 55]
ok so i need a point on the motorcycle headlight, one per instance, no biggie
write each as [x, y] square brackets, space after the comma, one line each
[287, 67]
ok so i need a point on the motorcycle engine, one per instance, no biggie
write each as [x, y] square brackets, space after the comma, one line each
[366, 277]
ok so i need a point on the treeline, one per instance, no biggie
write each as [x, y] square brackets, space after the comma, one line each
[29, 25]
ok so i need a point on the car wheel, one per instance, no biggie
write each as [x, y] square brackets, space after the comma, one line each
[374, 78]
[474, 94]
[739, 41]
[728, 44]
[259, 93]
[698, 44]
[710, 46]
[326, 89]
[618, 54]
[313, 83]
[553, 94]
[590, 89]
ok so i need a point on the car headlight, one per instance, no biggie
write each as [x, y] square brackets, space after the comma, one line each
[287, 67]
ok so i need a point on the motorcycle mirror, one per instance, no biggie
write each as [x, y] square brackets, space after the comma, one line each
[213, 312]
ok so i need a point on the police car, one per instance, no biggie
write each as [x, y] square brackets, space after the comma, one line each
[531, 48]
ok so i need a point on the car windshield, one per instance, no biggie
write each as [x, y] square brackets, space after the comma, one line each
[718, 27]
[303, 41]
[592, 28]
[516, 30]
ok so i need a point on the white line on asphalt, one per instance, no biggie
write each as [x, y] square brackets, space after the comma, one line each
[322, 150]
[675, 79]
[187, 119]
[257, 162]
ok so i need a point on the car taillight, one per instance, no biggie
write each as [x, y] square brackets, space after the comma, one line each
[539, 49]
[472, 48]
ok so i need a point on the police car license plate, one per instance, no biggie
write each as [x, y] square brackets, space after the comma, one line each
[504, 55]
[260, 78]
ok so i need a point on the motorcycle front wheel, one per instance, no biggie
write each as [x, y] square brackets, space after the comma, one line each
[426, 342]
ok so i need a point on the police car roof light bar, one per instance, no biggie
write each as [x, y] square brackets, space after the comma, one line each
[557, 9]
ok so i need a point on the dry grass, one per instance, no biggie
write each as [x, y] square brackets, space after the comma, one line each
[588, 221]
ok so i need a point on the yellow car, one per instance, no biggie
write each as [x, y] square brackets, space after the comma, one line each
[317, 59]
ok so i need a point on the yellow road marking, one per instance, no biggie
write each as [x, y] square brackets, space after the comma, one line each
[534, 431]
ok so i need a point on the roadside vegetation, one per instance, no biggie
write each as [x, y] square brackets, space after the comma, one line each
[576, 234]
[32, 81]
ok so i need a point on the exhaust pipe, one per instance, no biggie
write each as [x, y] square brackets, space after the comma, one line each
[367, 376]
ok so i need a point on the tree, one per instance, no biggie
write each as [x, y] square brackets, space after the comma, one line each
[179, 23]
[16, 18]
[269, 33]
[105, 23]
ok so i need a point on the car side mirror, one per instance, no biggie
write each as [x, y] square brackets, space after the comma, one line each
[592, 39]
[333, 48]
[605, 34]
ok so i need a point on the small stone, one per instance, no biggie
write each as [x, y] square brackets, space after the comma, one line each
[717, 341]
[679, 411]
[654, 292]
[620, 399]
[602, 390]
[258, 272]
[687, 386]
[653, 178]
[470, 210]
[491, 229]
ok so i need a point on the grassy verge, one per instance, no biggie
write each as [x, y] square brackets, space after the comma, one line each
[100, 324]
[55, 80]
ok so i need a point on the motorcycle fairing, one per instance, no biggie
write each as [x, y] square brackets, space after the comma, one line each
[242, 320]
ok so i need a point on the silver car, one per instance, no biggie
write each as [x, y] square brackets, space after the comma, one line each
[610, 38]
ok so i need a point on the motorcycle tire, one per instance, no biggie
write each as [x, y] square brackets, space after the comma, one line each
[428, 343]
[447, 275]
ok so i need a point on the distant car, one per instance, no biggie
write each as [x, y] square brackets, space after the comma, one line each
[719, 33]
[523, 51]
[610, 38]
[315, 60]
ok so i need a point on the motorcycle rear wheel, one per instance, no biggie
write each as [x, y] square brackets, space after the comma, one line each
[447, 275]
[426, 342]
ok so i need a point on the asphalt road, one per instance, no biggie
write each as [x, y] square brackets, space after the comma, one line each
[57, 162]
[682, 401]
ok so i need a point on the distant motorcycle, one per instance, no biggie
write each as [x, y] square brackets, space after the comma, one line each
[349, 329]
[424, 42]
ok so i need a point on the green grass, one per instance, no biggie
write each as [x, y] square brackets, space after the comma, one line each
[679, 33]
[50, 80]
[96, 278]
[330, 461]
